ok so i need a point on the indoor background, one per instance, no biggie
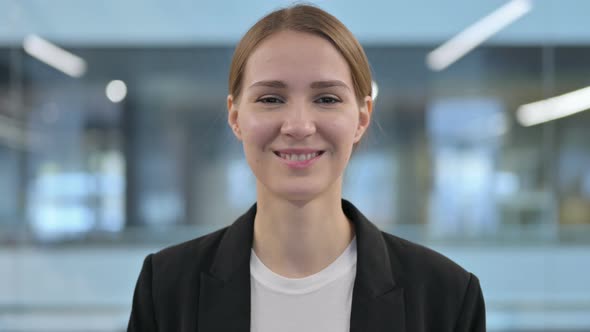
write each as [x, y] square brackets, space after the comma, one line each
[114, 144]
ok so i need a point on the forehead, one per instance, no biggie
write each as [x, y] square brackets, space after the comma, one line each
[296, 57]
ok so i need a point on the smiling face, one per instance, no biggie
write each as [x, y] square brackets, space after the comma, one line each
[297, 116]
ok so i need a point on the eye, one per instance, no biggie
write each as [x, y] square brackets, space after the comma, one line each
[269, 100]
[327, 100]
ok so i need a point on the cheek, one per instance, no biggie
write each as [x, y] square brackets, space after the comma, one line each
[342, 130]
[257, 130]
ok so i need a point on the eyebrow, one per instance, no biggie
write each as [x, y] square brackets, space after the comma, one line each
[313, 85]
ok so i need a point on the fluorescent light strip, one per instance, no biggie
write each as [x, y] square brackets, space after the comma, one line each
[554, 108]
[449, 52]
[54, 56]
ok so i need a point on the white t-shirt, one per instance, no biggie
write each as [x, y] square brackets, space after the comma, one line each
[316, 303]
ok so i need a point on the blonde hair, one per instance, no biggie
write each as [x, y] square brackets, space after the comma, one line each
[309, 19]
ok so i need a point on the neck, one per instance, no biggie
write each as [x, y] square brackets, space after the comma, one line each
[296, 239]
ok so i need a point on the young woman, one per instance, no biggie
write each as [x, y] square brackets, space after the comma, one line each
[302, 258]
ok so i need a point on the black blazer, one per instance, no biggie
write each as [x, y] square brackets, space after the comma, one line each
[203, 285]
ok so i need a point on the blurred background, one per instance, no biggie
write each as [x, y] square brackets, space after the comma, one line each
[114, 144]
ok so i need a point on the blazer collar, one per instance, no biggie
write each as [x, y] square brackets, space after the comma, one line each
[224, 301]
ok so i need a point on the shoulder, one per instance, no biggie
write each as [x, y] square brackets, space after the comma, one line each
[438, 291]
[192, 255]
[417, 266]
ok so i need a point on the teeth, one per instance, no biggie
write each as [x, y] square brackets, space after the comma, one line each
[299, 157]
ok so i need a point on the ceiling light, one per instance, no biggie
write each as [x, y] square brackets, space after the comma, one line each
[54, 56]
[554, 108]
[116, 91]
[449, 52]
[374, 89]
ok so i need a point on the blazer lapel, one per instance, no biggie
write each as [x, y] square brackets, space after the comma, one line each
[377, 301]
[224, 300]
[378, 312]
[224, 306]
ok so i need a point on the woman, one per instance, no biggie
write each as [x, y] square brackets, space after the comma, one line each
[302, 258]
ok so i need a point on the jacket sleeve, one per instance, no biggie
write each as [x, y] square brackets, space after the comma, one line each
[143, 317]
[472, 317]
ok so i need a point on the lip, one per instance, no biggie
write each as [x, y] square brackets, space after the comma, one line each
[296, 163]
[298, 151]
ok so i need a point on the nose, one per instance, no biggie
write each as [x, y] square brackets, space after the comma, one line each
[299, 122]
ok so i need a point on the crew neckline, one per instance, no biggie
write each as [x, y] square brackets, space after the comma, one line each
[273, 281]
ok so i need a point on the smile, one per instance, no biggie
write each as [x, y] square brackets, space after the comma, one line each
[299, 159]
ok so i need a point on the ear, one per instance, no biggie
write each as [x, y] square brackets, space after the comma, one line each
[364, 118]
[232, 116]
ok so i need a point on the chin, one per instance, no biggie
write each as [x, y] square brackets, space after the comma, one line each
[298, 189]
[300, 193]
[297, 195]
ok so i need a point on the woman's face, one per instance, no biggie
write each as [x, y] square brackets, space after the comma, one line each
[298, 116]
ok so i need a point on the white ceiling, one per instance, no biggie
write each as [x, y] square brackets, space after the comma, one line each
[159, 22]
